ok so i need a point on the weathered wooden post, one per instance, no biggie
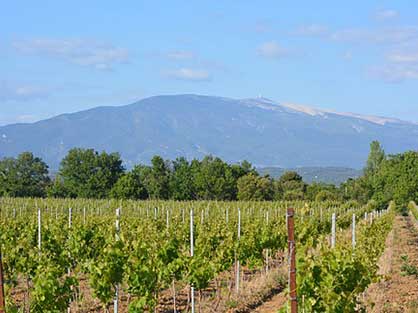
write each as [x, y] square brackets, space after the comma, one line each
[292, 260]
[2, 299]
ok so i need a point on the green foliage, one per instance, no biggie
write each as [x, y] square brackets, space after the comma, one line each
[331, 280]
[293, 195]
[129, 186]
[325, 195]
[290, 186]
[51, 292]
[106, 272]
[413, 208]
[331, 192]
[375, 159]
[86, 173]
[25, 176]
[152, 253]
[358, 189]
[385, 179]
[253, 187]
[181, 180]
[58, 190]
[397, 179]
[213, 179]
[157, 179]
[407, 268]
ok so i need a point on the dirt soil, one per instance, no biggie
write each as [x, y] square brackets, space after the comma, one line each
[273, 305]
[398, 290]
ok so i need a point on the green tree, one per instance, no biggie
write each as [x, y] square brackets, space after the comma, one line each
[156, 178]
[359, 189]
[214, 179]
[375, 159]
[239, 170]
[313, 189]
[293, 195]
[88, 174]
[397, 179]
[291, 186]
[181, 180]
[58, 190]
[129, 186]
[253, 187]
[24, 176]
[325, 195]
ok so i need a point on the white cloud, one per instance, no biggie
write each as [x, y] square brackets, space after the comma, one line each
[386, 14]
[312, 30]
[401, 64]
[392, 35]
[272, 50]
[98, 55]
[180, 55]
[395, 73]
[10, 91]
[189, 74]
[348, 55]
[262, 27]
[403, 57]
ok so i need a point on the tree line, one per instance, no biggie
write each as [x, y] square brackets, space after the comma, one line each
[386, 177]
[86, 173]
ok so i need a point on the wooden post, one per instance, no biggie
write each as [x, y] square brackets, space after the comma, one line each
[292, 260]
[2, 299]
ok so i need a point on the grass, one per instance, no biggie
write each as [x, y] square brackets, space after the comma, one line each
[407, 268]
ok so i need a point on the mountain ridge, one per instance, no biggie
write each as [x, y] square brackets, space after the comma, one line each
[265, 132]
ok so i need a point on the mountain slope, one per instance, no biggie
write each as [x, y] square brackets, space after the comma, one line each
[330, 175]
[259, 130]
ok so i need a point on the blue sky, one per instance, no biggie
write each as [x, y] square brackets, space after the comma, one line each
[353, 56]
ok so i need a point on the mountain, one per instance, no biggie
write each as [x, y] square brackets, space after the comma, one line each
[259, 130]
[330, 175]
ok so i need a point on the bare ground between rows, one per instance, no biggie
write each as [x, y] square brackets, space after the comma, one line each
[397, 291]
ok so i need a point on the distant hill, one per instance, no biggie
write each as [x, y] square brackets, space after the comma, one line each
[329, 175]
[259, 130]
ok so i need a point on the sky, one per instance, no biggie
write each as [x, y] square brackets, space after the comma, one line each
[349, 56]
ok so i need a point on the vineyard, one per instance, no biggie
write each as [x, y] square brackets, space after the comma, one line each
[167, 256]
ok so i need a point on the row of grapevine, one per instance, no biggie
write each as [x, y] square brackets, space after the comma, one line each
[331, 278]
[51, 248]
